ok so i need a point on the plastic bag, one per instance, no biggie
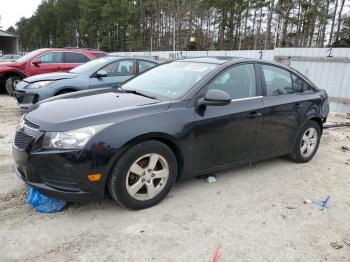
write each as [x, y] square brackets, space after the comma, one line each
[43, 203]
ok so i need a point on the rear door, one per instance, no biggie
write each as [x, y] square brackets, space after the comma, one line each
[284, 109]
[226, 134]
[49, 62]
[74, 59]
[117, 72]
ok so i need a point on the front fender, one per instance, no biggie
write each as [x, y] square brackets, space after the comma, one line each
[119, 137]
[11, 71]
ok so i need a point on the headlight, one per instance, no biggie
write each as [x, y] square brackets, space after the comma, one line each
[73, 139]
[40, 84]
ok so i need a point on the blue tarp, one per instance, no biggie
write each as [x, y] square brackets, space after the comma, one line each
[43, 203]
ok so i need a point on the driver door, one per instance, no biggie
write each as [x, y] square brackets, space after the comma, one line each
[47, 63]
[227, 134]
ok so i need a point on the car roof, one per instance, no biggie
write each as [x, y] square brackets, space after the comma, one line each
[112, 57]
[87, 50]
[212, 59]
[226, 59]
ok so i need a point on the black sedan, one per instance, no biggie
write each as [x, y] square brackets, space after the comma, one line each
[178, 120]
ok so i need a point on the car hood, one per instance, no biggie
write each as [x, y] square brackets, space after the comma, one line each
[50, 76]
[93, 107]
[8, 66]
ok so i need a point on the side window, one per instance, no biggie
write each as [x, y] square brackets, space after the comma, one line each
[119, 68]
[125, 68]
[281, 82]
[51, 58]
[300, 85]
[238, 81]
[144, 65]
[75, 58]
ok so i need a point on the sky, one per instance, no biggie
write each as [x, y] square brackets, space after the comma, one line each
[12, 10]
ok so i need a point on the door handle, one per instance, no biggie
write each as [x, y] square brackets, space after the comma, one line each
[297, 106]
[254, 114]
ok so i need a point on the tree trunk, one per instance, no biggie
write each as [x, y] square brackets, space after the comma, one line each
[323, 35]
[333, 21]
[267, 43]
[339, 20]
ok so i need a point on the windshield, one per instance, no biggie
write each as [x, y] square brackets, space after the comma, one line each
[171, 80]
[91, 66]
[29, 55]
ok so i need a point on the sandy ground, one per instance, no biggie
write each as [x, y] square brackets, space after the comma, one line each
[254, 213]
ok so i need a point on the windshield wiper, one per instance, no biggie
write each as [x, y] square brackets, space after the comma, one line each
[137, 93]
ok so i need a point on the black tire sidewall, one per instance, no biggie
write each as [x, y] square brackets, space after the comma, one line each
[308, 124]
[117, 179]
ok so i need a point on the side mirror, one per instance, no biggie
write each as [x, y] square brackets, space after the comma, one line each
[101, 73]
[36, 62]
[215, 97]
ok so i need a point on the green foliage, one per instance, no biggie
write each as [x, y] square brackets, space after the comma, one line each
[134, 25]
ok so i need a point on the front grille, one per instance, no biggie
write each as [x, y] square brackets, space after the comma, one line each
[31, 124]
[23, 141]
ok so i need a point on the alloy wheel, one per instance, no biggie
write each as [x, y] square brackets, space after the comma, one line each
[308, 142]
[147, 177]
[16, 82]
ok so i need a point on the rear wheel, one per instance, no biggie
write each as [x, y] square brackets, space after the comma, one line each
[144, 175]
[307, 143]
[11, 84]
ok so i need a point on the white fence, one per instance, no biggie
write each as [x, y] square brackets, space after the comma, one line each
[328, 68]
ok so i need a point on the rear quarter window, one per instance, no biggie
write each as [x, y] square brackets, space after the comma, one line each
[75, 58]
[98, 55]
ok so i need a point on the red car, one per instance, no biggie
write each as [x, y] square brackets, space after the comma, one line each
[44, 61]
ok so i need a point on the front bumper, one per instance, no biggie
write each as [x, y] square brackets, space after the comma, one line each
[60, 174]
[25, 100]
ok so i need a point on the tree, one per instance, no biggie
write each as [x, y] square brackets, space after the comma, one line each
[142, 25]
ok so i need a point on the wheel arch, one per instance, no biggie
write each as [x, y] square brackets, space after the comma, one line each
[5, 76]
[163, 138]
[65, 89]
[317, 118]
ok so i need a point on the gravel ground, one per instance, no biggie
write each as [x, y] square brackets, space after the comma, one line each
[254, 213]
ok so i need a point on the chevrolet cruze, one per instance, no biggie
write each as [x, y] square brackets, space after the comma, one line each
[178, 120]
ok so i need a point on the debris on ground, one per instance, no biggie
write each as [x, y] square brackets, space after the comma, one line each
[2, 137]
[345, 148]
[291, 207]
[209, 178]
[339, 124]
[217, 253]
[336, 245]
[347, 242]
[322, 203]
[43, 203]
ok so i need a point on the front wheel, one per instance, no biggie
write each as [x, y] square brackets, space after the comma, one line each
[307, 142]
[144, 175]
[11, 84]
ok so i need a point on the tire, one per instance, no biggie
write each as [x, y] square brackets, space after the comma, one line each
[11, 83]
[304, 151]
[152, 189]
